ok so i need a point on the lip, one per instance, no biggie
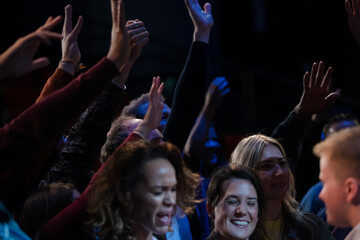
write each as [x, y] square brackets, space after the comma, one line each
[240, 223]
[163, 218]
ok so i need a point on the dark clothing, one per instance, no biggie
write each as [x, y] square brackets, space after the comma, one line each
[28, 140]
[84, 142]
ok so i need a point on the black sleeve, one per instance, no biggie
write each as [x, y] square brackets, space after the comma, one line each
[189, 95]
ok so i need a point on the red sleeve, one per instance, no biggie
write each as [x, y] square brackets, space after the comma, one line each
[59, 79]
[68, 223]
[27, 141]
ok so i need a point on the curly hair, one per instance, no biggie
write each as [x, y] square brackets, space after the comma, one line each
[110, 207]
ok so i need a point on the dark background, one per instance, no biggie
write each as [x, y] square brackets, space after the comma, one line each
[262, 47]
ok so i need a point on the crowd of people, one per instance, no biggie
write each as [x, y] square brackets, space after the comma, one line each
[97, 169]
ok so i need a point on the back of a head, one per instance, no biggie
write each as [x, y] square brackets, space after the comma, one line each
[132, 108]
[338, 122]
[119, 131]
[43, 204]
[343, 147]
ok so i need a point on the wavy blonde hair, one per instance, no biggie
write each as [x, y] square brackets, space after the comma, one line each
[110, 206]
[248, 153]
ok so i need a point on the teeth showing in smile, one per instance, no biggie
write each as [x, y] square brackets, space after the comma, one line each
[240, 223]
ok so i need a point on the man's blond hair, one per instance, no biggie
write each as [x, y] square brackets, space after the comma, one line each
[343, 150]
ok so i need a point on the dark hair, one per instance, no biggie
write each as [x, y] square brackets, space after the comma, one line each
[224, 173]
[336, 119]
[116, 135]
[43, 204]
[110, 207]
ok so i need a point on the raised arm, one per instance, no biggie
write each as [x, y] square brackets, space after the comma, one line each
[199, 134]
[89, 134]
[190, 88]
[70, 56]
[353, 12]
[316, 98]
[18, 59]
[27, 141]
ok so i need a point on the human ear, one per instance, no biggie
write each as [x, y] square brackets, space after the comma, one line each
[210, 210]
[352, 191]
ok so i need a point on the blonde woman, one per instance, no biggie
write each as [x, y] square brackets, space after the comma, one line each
[282, 217]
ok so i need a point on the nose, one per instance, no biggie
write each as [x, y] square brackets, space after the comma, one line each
[278, 170]
[170, 198]
[165, 113]
[240, 211]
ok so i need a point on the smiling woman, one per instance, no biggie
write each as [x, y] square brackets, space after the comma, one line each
[282, 218]
[235, 202]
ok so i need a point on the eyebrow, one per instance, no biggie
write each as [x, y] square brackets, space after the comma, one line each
[235, 196]
[272, 159]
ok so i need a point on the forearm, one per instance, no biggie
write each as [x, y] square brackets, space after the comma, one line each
[59, 79]
[199, 133]
[189, 96]
[28, 139]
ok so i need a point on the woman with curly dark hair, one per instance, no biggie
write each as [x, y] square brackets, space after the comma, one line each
[137, 192]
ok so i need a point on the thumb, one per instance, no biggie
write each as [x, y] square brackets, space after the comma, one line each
[331, 98]
[40, 63]
[207, 8]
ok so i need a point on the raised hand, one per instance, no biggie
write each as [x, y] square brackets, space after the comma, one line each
[317, 96]
[353, 12]
[70, 50]
[215, 93]
[202, 20]
[153, 115]
[139, 37]
[120, 42]
[18, 59]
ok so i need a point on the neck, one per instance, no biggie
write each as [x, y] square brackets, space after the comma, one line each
[273, 210]
[142, 234]
[354, 216]
[218, 237]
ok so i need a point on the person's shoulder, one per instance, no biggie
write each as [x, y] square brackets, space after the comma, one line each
[323, 231]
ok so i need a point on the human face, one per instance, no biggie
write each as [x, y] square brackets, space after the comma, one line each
[142, 109]
[236, 214]
[212, 148]
[332, 193]
[274, 173]
[154, 199]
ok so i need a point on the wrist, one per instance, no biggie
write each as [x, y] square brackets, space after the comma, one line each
[201, 36]
[301, 113]
[67, 66]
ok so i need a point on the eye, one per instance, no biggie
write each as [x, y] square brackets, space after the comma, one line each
[174, 189]
[231, 201]
[266, 166]
[283, 163]
[251, 203]
[157, 193]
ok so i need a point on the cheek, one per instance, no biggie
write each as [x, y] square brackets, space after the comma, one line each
[254, 213]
